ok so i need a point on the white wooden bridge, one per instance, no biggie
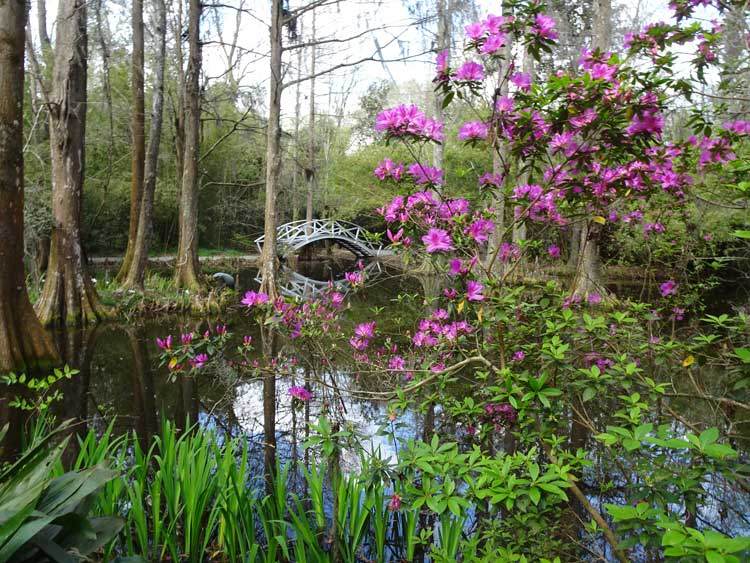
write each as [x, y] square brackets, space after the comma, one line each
[298, 234]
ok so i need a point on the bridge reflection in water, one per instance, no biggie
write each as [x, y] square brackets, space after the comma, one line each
[294, 284]
[298, 234]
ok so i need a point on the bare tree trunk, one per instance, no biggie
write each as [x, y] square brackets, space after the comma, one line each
[588, 278]
[575, 244]
[519, 226]
[187, 272]
[41, 14]
[268, 258]
[23, 342]
[179, 115]
[297, 111]
[443, 43]
[68, 295]
[107, 84]
[269, 410]
[499, 169]
[137, 271]
[310, 172]
[138, 137]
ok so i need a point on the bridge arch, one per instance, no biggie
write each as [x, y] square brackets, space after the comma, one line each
[298, 234]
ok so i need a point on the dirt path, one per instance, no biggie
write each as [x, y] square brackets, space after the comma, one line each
[166, 259]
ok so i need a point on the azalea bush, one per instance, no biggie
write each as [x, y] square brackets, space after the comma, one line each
[558, 427]
[553, 411]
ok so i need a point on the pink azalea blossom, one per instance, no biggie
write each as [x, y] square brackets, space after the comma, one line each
[554, 251]
[408, 120]
[396, 363]
[504, 104]
[253, 298]
[165, 344]
[353, 277]
[738, 127]
[474, 291]
[473, 130]
[475, 31]
[603, 71]
[470, 72]
[545, 26]
[300, 393]
[456, 267]
[357, 343]
[491, 179]
[337, 299]
[668, 288]
[394, 238]
[493, 44]
[649, 122]
[199, 361]
[441, 63]
[522, 80]
[365, 330]
[389, 168]
[424, 174]
[437, 240]
[480, 230]
[581, 120]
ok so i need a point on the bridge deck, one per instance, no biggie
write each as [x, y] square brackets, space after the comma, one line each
[298, 234]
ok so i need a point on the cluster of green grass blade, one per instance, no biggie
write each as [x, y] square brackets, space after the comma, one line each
[191, 496]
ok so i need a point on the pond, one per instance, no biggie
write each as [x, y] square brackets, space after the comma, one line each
[121, 379]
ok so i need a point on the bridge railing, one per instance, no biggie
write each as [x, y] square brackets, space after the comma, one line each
[297, 234]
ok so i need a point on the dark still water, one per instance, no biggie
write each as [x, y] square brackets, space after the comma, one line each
[121, 378]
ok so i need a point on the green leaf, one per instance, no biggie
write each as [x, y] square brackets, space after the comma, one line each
[672, 537]
[742, 234]
[588, 394]
[535, 495]
[631, 444]
[709, 436]
[743, 354]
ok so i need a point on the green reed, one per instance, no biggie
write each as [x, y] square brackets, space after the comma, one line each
[190, 496]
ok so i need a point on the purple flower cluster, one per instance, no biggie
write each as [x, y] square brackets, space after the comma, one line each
[489, 35]
[388, 168]
[738, 127]
[254, 299]
[473, 130]
[408, 120]
[499, 415]
[668, 288]
[363, 333]
[436, 329]
[470, 72]
[300, 393]
[544, 26]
